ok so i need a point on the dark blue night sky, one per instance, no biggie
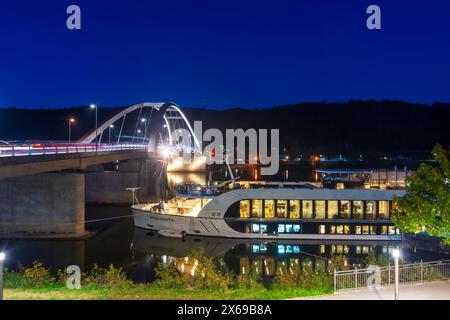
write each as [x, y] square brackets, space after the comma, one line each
[222, 53]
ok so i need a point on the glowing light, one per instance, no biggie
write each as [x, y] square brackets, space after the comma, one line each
[396, 253]
[72, 120]
[166, 152]
[93, 106]
[2, 256]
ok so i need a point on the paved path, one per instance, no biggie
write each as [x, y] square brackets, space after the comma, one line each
[438, 290]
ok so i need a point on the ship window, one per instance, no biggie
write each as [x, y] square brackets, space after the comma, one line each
[288, 249]
[255, 228]
[346, 229]
[332, 209]
[281, 248]
[307, 209]
[340, 229]
[296, 228]
[332, 229]
[320, 209]
[269, 209]
[345, 209]
[281, 228]
[393, 230]
[357, 209]
[245, 208]
[383, 209]
[365, 229]
[281, 209]
[257, 208]
[289, 228]
[370, 210]
[263, 228]
[357, 229]
[296, 249]
[322, 229]
[294, 207]
[384, 229]
[373, 230]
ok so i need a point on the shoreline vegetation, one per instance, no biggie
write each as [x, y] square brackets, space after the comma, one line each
[190, 278]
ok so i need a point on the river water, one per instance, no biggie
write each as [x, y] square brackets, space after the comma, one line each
[138, 251]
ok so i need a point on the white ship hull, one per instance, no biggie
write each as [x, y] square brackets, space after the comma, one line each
[217, 227]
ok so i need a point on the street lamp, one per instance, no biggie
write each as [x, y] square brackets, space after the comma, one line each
[71, 121]
[2, 258]
[143, 120]
[93, 106]
[396, 255]
[110, 128]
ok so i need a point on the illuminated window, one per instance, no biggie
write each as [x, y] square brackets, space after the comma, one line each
[281, 228]
[263, 228]
[365, 229]
[296, 228]
[255, 228]
[307, 209]
[288, 249]
[332, 209]
[281, 209]
[383, 209]
[370, 210]
[257, 208]
[294, 207]
[320, 209]
[322, 229]
[384, 229]
[244, 208]
[332, 229]
[346, 229]
[345, 209]
[340, 229]
[281, 249]
[393, 230]
[289, 228]
[357, 209]
[269, 209]
[357, 229]
[296, 249]
[373, 230]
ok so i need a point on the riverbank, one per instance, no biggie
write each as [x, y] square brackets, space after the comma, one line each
[148, 292]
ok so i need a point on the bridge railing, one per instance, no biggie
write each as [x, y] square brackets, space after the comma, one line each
[408, 273]
[63, 148]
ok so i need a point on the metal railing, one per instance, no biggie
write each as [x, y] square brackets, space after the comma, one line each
[384, 276]
[63, 148]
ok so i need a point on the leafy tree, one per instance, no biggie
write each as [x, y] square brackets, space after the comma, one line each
[426, 205]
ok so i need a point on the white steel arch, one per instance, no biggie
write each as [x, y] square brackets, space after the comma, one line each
[171, 107]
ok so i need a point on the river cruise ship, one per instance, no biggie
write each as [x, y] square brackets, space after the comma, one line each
[279, 213]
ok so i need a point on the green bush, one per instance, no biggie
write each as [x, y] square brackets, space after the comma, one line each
[305, 278]
[193, 273]
[106, 277]
[37, 275]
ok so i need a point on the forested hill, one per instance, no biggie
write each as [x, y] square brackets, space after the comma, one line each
[316, 127]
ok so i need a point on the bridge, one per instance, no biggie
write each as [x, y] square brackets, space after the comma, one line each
[152, 135]
[44, 186]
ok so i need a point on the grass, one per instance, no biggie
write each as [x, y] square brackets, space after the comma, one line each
[203, 282]
[148, 292]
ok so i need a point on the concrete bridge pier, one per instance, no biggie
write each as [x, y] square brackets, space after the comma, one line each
[107, 184]
[42, 205]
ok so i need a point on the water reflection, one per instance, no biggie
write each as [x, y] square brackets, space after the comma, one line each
[257, 256]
